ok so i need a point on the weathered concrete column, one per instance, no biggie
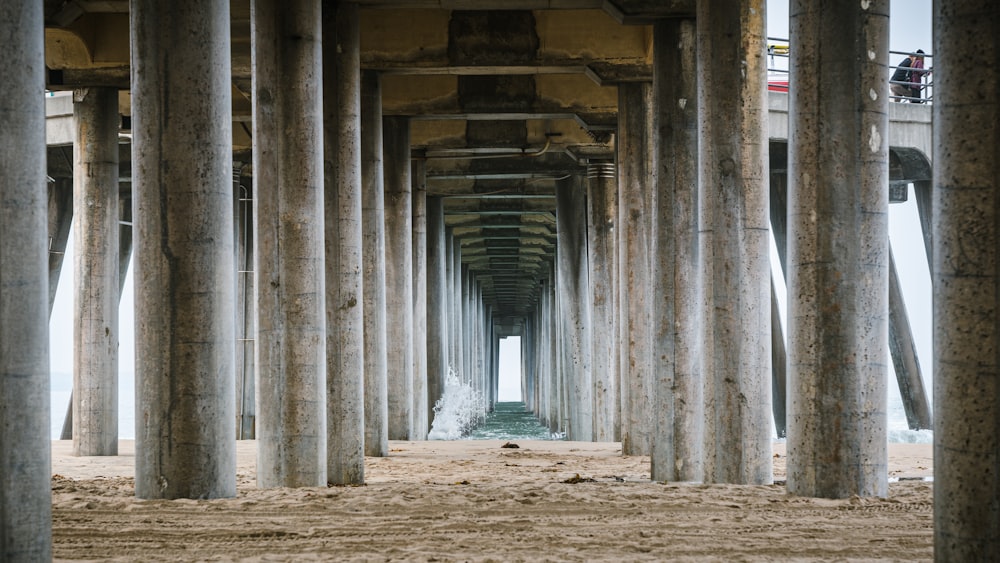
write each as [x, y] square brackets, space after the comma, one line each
[464, 319]
[541, 356]
[345, 458]
[437, 304]
[574, 290]
[493, 358]
[449, 303]
[966, 282]
[733, 223]
[95, 302]
[602, 216]
[291, 280]
[398, 275]
[541, 360]
[554, 394]
[185, 440]
[678, 430]
[838, 249]
[421, 319]
[373, 243]
[635, 140]
[25, 458]
[60, 217]
[538, 343]
[563, 392]
[457, 309]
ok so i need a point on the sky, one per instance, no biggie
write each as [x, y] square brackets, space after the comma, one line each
[909, 29]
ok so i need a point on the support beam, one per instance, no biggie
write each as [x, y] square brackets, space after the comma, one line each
[838, 249]
[904, 356]
[185, 443]
[291, 283]
[678, 431]
[398, 276]
[779, 373]
[373, 245]
[343, 242]
[779, 359]
[96, 291]
[60, 221]
[635, 145]
[25, 458]
[733, 222]
[966, 282]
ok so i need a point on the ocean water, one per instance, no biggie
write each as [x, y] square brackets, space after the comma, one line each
[511, 421]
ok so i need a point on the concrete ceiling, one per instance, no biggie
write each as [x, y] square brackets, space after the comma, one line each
[505, 96]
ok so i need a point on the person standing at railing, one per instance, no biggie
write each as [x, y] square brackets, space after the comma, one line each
[907, 81]
[917, 73]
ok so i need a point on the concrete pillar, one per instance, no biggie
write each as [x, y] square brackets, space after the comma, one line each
[965, 279]
[838, 249]
[345, 459]
[635, 286]
[541, 349]
[95, 297]
[541, 361]
[529, 362]
[493, 358]
[471, 332]
[399, 275]
[437, 304]
[465, 336]
[289, 241]
[565, 391]
[678, 431]
[185, 440]
[554, 395]
[60, 217]
[421, 318]
[25, 458]
[602, 216]
[373, 244]
[450, 295]
[458, 309]
[574, 290]
[733, 222]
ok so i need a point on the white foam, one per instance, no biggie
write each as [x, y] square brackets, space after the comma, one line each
[457, 411]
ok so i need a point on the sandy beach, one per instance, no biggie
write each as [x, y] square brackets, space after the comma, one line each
[475, 501]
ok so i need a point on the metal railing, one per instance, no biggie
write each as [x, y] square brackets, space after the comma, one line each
[777, 72]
